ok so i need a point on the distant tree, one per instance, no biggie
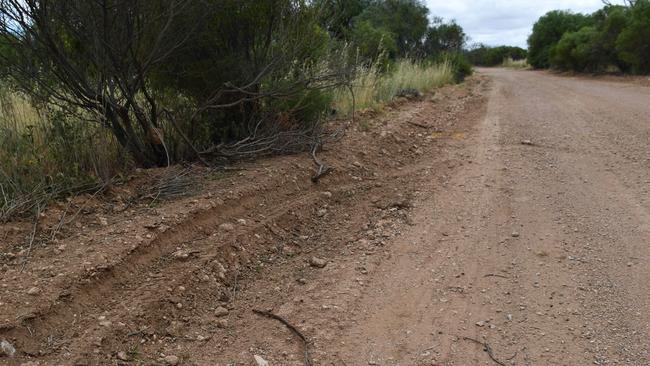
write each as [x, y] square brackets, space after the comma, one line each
[444, 37]
[548, 31]
[483, 55]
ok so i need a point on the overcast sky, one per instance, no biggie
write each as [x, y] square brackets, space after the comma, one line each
[504, 22]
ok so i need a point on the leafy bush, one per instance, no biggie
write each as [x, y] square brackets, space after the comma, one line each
[577, 50]
[633, 44]
[548, 31]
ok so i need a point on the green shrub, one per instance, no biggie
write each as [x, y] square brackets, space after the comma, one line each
[633, 43]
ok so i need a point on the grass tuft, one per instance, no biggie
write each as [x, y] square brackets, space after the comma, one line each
[508, 62]
[373, 88]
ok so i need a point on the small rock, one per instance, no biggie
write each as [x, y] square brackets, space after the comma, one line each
[220, 311]
[222, 323]
[527, 142]
[34, 291]
[105, 323]
[481, 323]
[226, 227]
[123, 356]
[241, 222]
[172, 360]
[317, 262]
[327, 194]
[260, 361]
[630, 264]
[515, 234]
[103, 221]
[7, 349]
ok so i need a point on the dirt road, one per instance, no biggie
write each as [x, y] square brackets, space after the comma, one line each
[511, 216]
[538, 245]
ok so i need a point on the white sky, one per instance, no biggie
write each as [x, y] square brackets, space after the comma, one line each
[503, 22]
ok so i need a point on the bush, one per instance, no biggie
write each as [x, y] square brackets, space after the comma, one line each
[548, 31]
[577, 51]
[633, 43]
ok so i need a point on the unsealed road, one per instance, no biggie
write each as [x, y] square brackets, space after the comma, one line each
[521, 224]
[541, 250]
[537, 243]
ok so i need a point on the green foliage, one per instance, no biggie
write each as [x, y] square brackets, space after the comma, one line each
[548, 31]
[633, 43]
[405, 20]
[483, 55]
[459, 64]
[612, 38]
[373, 42]
[577, 50]
[444, 37]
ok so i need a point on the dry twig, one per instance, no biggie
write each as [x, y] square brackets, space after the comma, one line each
[487, 349]
[293, 329]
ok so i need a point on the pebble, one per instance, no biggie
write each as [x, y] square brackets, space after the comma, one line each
[515, 234]
[220, 311]
[226, 227]
[122, 356]
[34, 291]
[7, 349]
[317, 262]
[260, 361]
[172, 360]
[222, 323]
[480, 323]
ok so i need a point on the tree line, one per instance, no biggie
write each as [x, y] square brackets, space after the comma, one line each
[179, 80]
[482, 55]
[615, 38]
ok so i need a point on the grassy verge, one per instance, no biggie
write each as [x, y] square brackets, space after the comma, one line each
[372, 88]
[515, 64]
[45, 154]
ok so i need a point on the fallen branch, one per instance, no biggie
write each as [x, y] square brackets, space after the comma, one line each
[495, 275]
[418, 124]
[322, 168]
[31, 238]
[293, 329]
[487, 349]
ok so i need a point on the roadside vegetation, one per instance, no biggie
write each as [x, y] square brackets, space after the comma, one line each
[616, 38]
[91, 90]
[482, 55]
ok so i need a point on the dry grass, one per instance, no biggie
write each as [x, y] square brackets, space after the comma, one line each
[515, 64]
[372, 88]
[45, 154]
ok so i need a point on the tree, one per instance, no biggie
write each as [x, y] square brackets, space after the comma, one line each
[577, 51]
[406, 20]
[93, 58]
[548, 31]
[633, 43]
[444, 37]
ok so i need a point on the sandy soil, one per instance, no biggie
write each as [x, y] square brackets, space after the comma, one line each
[503, 221]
